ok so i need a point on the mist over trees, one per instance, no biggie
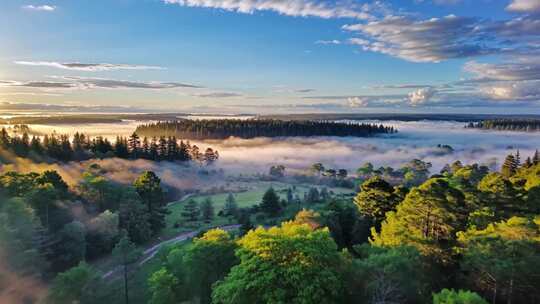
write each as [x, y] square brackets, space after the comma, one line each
[526, 125]
[466, 234]
[82, 147]
[251, 128]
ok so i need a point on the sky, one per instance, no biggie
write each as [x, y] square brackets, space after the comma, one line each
[271, 56]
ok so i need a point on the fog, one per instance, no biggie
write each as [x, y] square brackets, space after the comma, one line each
[415, 140]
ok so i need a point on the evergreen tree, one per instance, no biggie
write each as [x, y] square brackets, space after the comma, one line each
[536, 158]
[270, 202]
[509, 167]
[134, 145]
[230, 208]
[207, 210]
[191, 210]
[148, 186]
[126, 253]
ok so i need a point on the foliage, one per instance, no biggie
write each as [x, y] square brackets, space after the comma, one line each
[287, 264]
[450, 296]
[376, 198]
[148, 186]
[504, 258]
[208, 260]
[270, 202]
[388, 275]
[251, 128]
[76, 285]
[427, 219]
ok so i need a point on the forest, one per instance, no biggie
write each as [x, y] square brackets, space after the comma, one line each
[462, 235]
[82, 147]
[524, 125]
[251, 128]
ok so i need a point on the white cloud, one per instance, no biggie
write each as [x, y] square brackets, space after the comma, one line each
[87, 67]
[219, 95]
[357, 102]
[518, 80]
[526, 69]
[68, 82]
[297, 8]
[524, 6]
[43, 8]
[522, 90]
[421, 96]
[431, 40]
[438, 39]
[328, 42]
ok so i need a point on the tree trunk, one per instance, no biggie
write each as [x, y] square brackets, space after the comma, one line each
[126, 284]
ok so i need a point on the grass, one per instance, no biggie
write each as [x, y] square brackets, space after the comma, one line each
[243, 199]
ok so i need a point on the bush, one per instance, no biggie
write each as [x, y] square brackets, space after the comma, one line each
[450, 296]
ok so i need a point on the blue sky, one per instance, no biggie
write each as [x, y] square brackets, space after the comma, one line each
[267, 56]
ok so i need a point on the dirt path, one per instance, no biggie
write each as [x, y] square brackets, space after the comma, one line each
[151, 252]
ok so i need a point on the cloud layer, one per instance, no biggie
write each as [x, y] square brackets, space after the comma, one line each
[87, 67]
[42, 8]
[296, 8]
[73, 82]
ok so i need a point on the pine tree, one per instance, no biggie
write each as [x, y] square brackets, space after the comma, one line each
[134, 145]
[162, 148]
[536, 158]
[148, 186]
[528, 162]
[517, 159]
[270, 202]
[183, 152]
[145, 149]
[509, 166]
[191, 210]
[230, 208]
[207, 210]
[154, 155]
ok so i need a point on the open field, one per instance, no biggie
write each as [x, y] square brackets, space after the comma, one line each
[243, 199]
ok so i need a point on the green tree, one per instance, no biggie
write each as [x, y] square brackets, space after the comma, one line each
[19, 232]
[148, 186]
[76, 285]
[450, 296]
[207, 210]
[191, 210]
[230, 208]
[270, 202]
[72, 244]
[162, 285]
[287, 264]
[509, 167]
[376, 198]
[208, 260]
[126, 253]
[366, 170]
[498, 192]
[346, 226]
[427, 219]
[388, 275]
[504, 258]
[133, 217]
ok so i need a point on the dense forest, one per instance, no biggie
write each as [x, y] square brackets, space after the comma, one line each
[463, 235]
[527, 125]
[83, 147]
[251, 128]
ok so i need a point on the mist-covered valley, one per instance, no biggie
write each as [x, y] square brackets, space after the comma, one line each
[414, 140]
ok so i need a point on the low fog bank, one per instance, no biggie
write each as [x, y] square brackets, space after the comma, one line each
[416, 139]
[173, 175]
